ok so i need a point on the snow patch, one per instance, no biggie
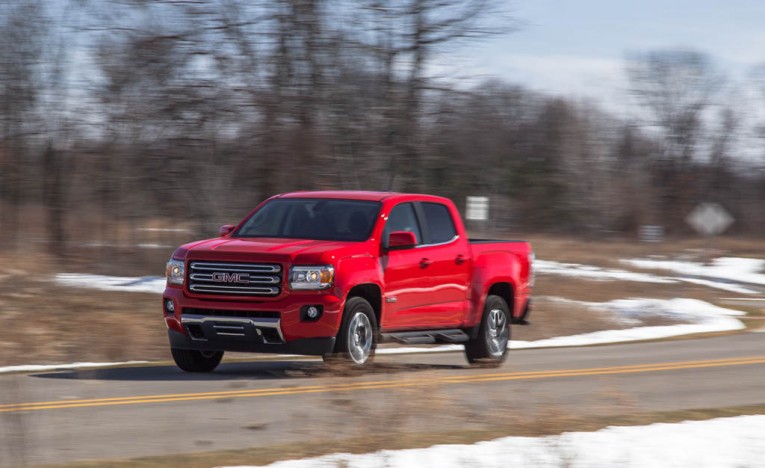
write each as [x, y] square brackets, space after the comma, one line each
[743, 270]
[548, 267]
[721, 275]
[144, 284]
[722, 278]
[715, 443]
[720, 285]
[703, 317]
[56, 367]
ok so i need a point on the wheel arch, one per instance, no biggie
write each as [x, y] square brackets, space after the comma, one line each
[506, 291]
[371, 293]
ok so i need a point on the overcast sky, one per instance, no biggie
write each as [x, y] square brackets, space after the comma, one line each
[578, 47]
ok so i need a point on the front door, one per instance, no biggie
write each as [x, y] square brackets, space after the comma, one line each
[407, 283]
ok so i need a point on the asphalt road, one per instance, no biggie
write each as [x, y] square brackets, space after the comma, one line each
[158, 410]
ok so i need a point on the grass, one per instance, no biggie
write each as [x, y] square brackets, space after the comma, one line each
[607, 252]
[45, 323]
[51, 324]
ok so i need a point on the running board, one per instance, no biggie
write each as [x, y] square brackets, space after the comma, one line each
[428, 336]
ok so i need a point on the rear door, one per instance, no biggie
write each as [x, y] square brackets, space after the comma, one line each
[426, 286]
[449, 264]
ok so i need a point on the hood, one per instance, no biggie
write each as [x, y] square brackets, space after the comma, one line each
[271, 249]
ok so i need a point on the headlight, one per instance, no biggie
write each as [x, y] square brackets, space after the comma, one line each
[312, 277]
[175, 272]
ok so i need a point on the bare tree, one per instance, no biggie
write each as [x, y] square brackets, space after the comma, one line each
[406, 36]
[675, 87]
[136, 111]
[20, 50]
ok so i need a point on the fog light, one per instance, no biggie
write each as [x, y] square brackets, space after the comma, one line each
[169, 306]
[311, 313]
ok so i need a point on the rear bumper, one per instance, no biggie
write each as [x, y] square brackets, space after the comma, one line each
[253, 344]
[521, 318]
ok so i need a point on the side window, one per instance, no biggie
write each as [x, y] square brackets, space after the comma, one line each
[439, 222]
[402, 218]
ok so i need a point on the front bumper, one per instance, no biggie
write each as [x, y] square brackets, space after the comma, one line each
[262, 326]
[253, 344]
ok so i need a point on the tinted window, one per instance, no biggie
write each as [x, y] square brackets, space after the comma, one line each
[402, 218]
[440, 223]
[320, 219]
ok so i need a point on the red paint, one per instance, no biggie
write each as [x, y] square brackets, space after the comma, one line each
[426, 287]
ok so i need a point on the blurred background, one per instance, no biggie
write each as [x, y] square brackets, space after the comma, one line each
[129, 127]
[146, 123]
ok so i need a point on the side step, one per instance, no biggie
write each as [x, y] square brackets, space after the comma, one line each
[428, 336]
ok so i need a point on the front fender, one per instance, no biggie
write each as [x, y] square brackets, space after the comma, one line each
[356, 270]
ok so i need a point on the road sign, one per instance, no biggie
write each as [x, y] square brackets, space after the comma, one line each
[709, 219]
[651, 233]
[477, 208]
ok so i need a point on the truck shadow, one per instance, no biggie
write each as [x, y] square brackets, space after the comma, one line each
[270, 370]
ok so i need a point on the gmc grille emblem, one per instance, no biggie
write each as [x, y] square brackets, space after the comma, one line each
[230, 277]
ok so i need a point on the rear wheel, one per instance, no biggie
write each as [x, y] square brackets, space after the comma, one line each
[191, 360]
[489, 348]
[356, 341]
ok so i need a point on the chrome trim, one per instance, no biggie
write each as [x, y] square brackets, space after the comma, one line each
[453, 239]
[244, 267]
[274, 323]
[220, 289]
[257, 279]
[360, 338]
[250, 280]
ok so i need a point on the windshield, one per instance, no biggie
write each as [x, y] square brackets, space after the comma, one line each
[312, 218]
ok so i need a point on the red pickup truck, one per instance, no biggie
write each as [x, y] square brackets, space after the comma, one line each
[335, 273]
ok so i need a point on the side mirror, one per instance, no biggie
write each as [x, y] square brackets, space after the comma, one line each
[225, 230]
[401, 240]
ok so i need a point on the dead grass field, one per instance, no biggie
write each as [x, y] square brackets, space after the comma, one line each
[51, 324]
[426, 416]
[607, 252]
[46, 323]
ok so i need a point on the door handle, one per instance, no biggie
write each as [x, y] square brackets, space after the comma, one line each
[460, 259]
[424, 263]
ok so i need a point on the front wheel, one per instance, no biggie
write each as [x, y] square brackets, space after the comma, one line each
[489, 348]
[356, 340]
[191, 360]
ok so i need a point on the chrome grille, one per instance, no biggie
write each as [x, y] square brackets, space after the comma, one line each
[242, 279]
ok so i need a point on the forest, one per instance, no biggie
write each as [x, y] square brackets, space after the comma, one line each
[121, 114]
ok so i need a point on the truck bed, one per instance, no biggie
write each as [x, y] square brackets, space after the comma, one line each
[489, 241]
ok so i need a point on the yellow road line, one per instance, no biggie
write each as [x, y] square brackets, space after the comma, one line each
[376, 385]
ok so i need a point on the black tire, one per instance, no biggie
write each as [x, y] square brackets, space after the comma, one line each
[357, 338]
[191, 360]
[489, 348]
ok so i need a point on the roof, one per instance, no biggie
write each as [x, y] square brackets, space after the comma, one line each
[393, 197]
[345, 194]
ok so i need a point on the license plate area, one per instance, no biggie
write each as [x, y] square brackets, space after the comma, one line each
[263, 330]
